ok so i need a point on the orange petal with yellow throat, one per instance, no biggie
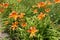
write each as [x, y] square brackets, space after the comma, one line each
[41, 16]
[57, 1]
[14, 15]
[41, 4]
[24, 25]
[5, 5]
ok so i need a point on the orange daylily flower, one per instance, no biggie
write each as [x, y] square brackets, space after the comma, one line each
[32, 31]
[21, 15]
[57, 1]
[1, 5]
[41, 4]
[5, 5]
[19, 0]
[35, 11]
[1, 10]
[48, 2]
[24, 24]
[47, 10]
[14, 15]
[41, 16]
[14, 25]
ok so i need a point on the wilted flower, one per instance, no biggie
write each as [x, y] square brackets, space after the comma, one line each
[32, 31]
[13, 15]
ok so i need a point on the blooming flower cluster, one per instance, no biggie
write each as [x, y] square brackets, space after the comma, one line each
[33, 22]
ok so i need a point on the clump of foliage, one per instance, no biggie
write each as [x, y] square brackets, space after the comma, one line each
[31, 19]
